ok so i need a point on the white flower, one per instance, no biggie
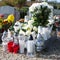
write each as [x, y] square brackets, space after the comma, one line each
[50, 22]
[34, 6]
[38, 6]
[35, 28]
[22, 32]
[24, 26]
[57, 17]
[30, 22]
[29, 27]
[31, 9]
[44, 4]
[28, 32]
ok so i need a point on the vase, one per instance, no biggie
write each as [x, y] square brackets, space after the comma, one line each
[4, 41]
[39, 29]
[39, 43]
[46, 32]
[22, 46]
[21, 43]
[30, 47]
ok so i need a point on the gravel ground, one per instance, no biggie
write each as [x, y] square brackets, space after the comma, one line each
[12, 56]
[51, 52]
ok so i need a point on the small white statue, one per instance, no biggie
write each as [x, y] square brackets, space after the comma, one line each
[9, 34]
[4, 41]
[17, 26]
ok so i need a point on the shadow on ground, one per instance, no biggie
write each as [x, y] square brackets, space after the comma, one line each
[52, 50]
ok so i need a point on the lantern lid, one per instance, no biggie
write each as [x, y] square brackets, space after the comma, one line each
[31, 37]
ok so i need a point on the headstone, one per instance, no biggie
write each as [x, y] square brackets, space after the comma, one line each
[6, 10]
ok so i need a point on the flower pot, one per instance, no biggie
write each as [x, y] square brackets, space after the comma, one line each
[22, 46]
[21, 43]
[30, 48]
[39, 29]
[45, 32]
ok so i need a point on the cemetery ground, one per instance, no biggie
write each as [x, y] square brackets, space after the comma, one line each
[51, 52]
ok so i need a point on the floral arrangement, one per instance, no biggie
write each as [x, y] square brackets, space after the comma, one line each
[29, 28]
[40, 13]
[12, 47]
[25, 28]
[6, 23]
[40, 17]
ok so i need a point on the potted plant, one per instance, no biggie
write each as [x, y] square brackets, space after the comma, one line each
[40, 13]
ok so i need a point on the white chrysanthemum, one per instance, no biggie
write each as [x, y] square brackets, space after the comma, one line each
[28, 32]
[35, 28]
[34, 6]
[22, 32]
[38, 5]
[29, 27]
[50, 22]
[30, 22]
[44, 4]
[24, 26]
[31, 9]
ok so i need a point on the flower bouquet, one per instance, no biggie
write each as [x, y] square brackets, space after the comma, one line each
[6, 23]
[42, 15]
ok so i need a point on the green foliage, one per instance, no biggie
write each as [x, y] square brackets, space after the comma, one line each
[11, 28]
[19, 1]
[23, 11]
[14, 2]
[8, 3]
[41, 16]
